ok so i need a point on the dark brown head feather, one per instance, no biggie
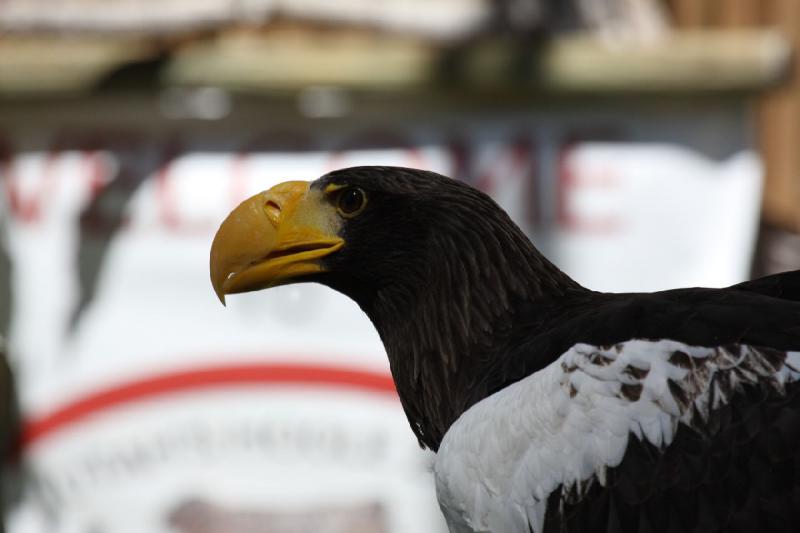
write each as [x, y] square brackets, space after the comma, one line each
[440, 270]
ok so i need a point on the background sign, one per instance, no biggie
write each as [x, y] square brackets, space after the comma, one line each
[150, 407]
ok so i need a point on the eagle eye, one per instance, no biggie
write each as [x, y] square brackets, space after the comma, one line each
[351, 201]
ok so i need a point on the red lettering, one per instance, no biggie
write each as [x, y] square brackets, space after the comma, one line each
[25, 204]
[107, 185]
[572, 182]
[514, 165]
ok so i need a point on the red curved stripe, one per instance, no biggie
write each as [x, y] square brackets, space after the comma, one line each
[164, 384]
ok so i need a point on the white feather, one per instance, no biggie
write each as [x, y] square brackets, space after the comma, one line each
[568, 423]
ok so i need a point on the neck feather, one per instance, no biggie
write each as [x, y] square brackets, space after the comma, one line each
[445, 326]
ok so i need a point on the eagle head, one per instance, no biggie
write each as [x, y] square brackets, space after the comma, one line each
[437, 266]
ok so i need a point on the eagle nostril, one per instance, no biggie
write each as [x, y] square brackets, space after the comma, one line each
[273, 211]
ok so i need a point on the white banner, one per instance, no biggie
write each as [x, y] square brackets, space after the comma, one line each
[150, 407]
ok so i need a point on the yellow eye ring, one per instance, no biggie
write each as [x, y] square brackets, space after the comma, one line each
[351, 201]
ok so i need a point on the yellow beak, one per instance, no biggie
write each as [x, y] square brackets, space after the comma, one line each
[272, 238]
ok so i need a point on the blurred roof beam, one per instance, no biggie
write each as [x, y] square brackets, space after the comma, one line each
[288, 59]
[680, 61]
[48, 64]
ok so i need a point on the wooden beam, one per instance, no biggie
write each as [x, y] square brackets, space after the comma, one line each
[48, 64]
[779, 124]
[689, 13]
[291, 59]
[738, 13]
[681, 61]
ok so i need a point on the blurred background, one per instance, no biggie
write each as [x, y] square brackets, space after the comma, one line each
[642, 144]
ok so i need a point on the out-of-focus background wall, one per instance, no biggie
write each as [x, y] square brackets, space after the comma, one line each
[643, 144]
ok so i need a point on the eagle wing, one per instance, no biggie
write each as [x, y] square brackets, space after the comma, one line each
[785, 286]
[640, 436]
[712, 444]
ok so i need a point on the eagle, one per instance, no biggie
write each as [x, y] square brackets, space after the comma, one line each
[551, 407]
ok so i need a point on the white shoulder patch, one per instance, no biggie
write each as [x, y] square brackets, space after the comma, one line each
[566, 424]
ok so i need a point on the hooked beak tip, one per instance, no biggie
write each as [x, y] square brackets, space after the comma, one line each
[221, 296]
[217, 280]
